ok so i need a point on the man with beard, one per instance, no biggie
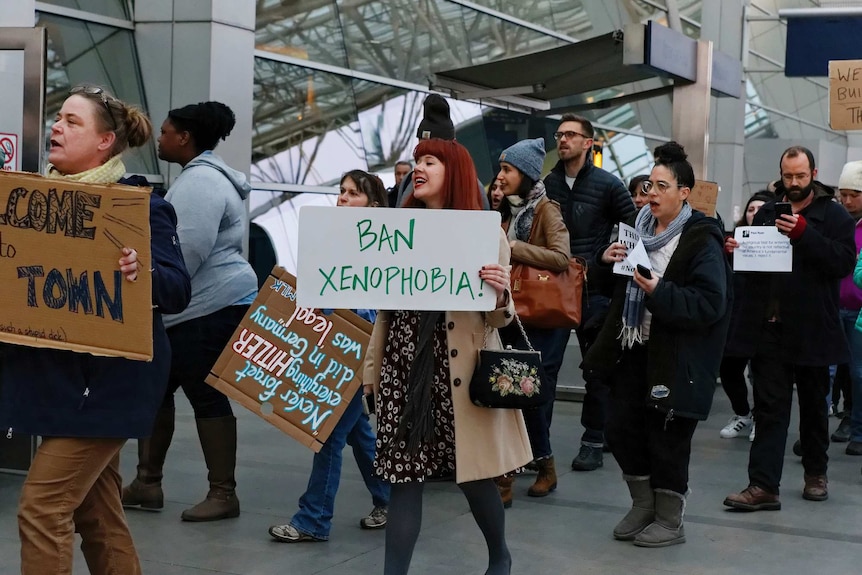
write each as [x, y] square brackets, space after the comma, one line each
[793, 331]
[592, 201]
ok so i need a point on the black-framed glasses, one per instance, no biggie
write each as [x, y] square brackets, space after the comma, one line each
[569, 135]
[661, 186]
[96, 91]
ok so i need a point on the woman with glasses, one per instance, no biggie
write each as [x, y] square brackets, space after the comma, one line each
[85, 406]
[209, 197]
[313, 521]
[661, 347]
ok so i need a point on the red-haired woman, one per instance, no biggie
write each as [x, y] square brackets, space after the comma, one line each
[421, 363]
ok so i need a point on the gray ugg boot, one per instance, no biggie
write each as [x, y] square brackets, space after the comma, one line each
[667, 529]
[642, 512]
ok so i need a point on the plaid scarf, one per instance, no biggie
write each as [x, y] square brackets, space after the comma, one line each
[633, 309]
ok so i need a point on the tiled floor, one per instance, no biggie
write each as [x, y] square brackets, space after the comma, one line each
[565, 533]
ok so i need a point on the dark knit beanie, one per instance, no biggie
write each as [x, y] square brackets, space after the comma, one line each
[436, 122]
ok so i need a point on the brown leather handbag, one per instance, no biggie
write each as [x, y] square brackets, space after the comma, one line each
[548, 299]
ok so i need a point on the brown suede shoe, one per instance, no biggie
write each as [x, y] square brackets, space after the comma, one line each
[815, 488]
[753, 498]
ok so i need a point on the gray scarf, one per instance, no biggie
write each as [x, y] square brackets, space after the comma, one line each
[522, 223]
[633, 310]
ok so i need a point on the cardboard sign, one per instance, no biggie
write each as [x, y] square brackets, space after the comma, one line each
[413, 259]
[295, 367]
[703, 197]
[845, 94]
[60, 242]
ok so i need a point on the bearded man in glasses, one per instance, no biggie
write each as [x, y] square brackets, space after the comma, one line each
[593, 201]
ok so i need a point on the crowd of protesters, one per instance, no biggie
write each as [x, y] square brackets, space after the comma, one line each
[655, 343]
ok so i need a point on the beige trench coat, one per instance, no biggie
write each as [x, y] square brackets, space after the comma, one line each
[488, 442]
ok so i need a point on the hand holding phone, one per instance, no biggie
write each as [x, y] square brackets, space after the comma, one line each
[368, 404]
[644, 271]
[782, 208]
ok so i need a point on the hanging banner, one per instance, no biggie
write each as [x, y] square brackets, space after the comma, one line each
[296, 367]
[60, 245]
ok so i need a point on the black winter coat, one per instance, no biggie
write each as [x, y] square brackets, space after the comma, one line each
[807, 296]
[81, 395]
[597, 202]
[690, 313]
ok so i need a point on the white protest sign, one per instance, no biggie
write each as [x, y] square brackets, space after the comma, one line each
[379, 258]
[762, 249]
[630, 239]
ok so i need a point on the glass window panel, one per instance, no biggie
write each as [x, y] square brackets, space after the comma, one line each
[494, 39]
[305, 125]
[112, 8]
[564, 16]
[308, 29]
[85, 53]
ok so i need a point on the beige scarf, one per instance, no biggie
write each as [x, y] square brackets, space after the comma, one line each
[108, 173]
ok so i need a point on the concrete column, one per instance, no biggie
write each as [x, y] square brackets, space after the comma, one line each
[723, 23]
[197, 50]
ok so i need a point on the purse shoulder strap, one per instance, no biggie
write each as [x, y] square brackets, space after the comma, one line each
[520, 327]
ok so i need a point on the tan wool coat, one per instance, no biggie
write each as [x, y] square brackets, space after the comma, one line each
[488, 442]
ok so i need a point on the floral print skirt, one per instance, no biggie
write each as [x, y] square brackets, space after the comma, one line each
[434, 458]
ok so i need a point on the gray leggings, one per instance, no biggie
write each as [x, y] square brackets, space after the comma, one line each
[405, 520]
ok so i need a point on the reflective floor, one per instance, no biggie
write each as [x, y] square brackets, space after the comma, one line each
[567, 532]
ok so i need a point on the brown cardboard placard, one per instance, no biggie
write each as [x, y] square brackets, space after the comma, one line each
[60, 242]
[295, 367]
[845, 94]
[703, 197]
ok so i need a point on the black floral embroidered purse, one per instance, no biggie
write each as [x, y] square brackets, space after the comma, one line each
[510, 378]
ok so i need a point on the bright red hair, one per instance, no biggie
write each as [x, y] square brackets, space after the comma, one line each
[461, 189]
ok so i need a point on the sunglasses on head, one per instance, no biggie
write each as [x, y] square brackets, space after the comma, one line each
[96, 91]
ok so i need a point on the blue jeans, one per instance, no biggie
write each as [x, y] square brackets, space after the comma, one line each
[854, 340]
[318, 502]
[552, 343]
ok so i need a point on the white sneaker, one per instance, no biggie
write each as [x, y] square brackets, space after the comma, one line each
[751, 435]
[736, 425]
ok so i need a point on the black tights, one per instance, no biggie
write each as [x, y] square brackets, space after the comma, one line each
[405, 520]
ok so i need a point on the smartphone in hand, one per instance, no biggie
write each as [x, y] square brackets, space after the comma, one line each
[782, 208]
[368, 404]
[645, 272]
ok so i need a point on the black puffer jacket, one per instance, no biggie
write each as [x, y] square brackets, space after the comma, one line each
[596, 203]
[690, 313]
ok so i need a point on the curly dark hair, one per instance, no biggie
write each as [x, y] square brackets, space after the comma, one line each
[207, 122]
[672, 156]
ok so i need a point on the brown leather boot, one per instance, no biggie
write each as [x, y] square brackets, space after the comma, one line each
[218, 440]
[546, 480]
[145, 491]
[504, 485]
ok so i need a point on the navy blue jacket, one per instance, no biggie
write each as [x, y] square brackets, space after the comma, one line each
[591, 208]
[81, 395]
[808, 296]
[690, 313]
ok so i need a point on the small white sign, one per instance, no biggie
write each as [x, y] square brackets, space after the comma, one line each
[380, 258]
[10, 160]
[762, 249]
[636, 253]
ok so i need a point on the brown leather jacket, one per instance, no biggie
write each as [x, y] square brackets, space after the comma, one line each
[548, 248]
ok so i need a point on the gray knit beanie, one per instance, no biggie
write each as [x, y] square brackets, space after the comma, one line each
[528, 156]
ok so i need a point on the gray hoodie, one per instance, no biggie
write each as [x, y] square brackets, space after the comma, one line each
[211, 223]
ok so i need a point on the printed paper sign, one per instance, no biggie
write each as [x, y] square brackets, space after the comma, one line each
[845, 94]
[295, 367]
[60, 242]
[762, 249]
[635, 251]
[377, 258]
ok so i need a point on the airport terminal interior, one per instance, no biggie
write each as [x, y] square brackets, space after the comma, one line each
[320, 87]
